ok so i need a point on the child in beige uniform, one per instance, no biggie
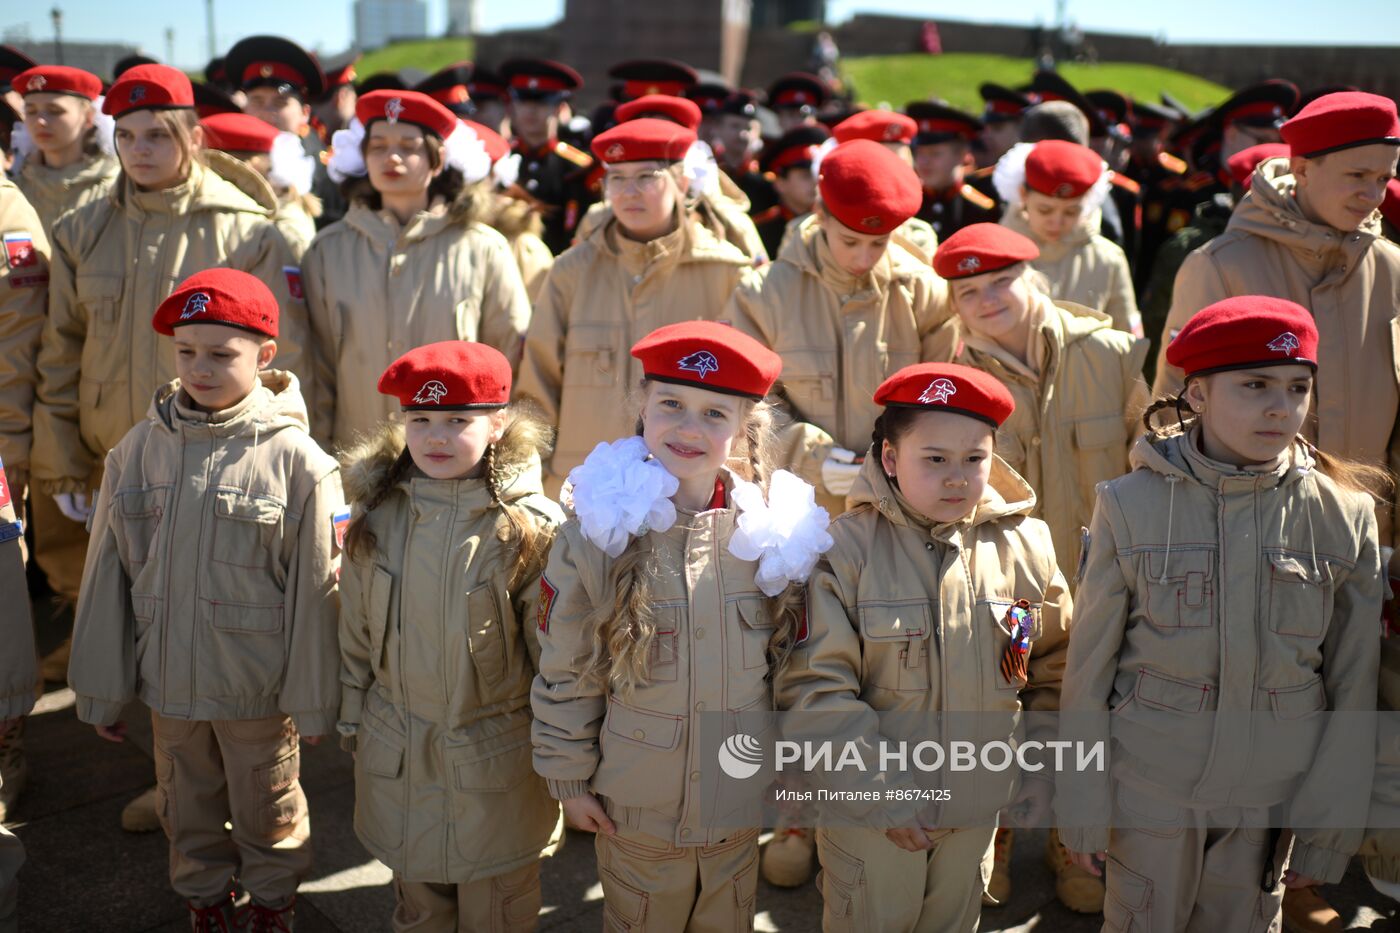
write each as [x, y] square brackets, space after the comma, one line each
[210, 594]
[437, 643]
[655, 608]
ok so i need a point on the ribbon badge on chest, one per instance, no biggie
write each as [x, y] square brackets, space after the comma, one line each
[1020, 620]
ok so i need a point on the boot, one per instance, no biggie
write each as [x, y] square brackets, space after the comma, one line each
[54, 665]
[258, 917]
[1078, 890]
[139, 816]
[1306, 911]
[999, 887]
[14, 768]
[787, 859]
[215, 918]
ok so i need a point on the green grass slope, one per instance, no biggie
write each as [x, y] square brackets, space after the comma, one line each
[898, 79]
[427, 55]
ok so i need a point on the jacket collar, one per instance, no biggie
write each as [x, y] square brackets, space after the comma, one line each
[1007, 494]
[225, 184]
[1179, 455]
[809, 251]
[86, 171]
[1081, 233]
[273, 404]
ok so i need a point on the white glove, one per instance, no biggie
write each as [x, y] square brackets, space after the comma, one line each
[74, 505]
[839, 471]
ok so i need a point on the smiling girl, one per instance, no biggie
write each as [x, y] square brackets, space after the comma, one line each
[437, 642]
[1229, 597]
[656, 608]
[1053, 192]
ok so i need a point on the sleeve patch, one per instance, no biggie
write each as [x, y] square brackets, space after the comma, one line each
[547, 594]
[340, 524]
[4, 487]
[293, 274]
[20, 252]
[800, 636]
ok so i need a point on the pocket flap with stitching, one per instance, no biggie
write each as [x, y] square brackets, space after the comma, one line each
[1293, 568]
[495, 764]
[999, 608]
[657, 730]
[242, 617]
[1296, 702]
[1169, 693]
[895, 621]
[1180, 563]
[754, 613]
[1104, 431]
[260, 509]
[380, 758]
[1132, 889]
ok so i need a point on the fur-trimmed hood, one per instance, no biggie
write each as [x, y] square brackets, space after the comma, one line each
[365, 466]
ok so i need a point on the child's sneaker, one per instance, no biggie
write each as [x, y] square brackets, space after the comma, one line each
[999, 887]
[215, 918]
[1078, 890]
[140, 815]
[262, 918]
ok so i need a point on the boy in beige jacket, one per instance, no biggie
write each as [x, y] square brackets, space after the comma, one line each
[210, 594]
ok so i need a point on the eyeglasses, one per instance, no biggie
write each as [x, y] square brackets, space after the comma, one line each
[642, 183]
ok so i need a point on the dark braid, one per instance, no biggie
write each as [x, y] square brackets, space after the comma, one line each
[1174, 403]
[358, 536]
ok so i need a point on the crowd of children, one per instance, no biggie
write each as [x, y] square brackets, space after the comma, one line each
[509, 533]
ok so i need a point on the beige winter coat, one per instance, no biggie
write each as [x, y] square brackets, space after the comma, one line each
[24, 292]
[1219, 612]
[839, 338]
[210, 585]
[603, 295]
[53, 191]
[376, 290]
[437, 656]
[114, 260]
[1086, 268]
[909, 616]
[1077, 411]
[1350, 282]
[642, 754]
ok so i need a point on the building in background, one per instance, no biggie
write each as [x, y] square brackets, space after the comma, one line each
[379, 22]
[463, 17]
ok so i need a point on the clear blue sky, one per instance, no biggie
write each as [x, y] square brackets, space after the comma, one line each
[326, 24]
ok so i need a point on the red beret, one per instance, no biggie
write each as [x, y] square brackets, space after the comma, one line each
[57, 79]
[1243, 332]
[869, 188]
[981, 248]
[238, 132]
[881, 126]
[453, 374]
[219, 296]
[1243, 163]
[948, 387]
[642, 140]
[496, 146]
[710, 355]
[662, 106]
[1062, 169]
[1390, 207]
[410, 107]
[1342, 121]
[148, 87]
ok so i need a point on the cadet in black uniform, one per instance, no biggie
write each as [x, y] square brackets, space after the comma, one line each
[787, 163]
[551, 172]
[796, 99]
[942, 144]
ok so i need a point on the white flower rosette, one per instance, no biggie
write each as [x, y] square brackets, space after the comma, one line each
[291, 166]
[785, 534]
[701, 170]
[346, 160]
[464, 151]
[1009, 177]
[619, 492]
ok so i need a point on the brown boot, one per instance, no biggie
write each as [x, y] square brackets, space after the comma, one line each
[213, 918]
[1078, 890]
[54, 665]
[140, 816]
[258, 917]
[999, 887]
[1306, 911]
[787, 859]
[14, 768]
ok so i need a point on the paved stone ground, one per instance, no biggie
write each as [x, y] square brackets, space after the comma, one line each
[85, 874]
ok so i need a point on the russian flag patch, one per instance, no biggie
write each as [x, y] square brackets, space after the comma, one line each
[340, 523]
[547, 594]
[20, 252]
[293, 274]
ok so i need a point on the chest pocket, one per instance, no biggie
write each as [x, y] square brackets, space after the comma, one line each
[895, 639]
[247, 530]
[750, 618]
[1300, 599]
[663, 659]
[486, 639]
[141, 513]
[100, 298]
[1180, 586]
[591, 356]
[381, 591]
[809, 382]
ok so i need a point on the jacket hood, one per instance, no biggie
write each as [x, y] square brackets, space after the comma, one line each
[275, 404]
[699, 243]
[512, 217]
[1177, 454]
[1007, 494]
[1082, 232]
[517, 461]
[223, 184]
[52, 181]
[1271, 211]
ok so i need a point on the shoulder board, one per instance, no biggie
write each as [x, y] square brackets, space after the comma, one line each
[576, 156]
[1123, 181]
[1171, 163]
[976, 197]
[1199, 180]
[984, 172]
[773, 213]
